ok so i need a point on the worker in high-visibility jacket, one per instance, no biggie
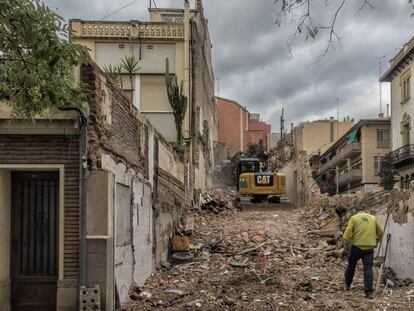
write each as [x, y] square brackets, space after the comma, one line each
[363, 233]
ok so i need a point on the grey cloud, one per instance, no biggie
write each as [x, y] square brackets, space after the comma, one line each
[252, 60]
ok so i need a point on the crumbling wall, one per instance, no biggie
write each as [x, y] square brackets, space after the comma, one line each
[400, 257]
[396, 205]
[300, 185]
[205, 118]
[149, 181]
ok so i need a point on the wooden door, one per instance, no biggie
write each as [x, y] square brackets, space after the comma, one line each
[34, 271]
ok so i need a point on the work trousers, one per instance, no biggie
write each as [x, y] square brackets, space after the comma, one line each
[367, 256]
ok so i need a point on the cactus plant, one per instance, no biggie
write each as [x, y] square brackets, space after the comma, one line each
[176, 99]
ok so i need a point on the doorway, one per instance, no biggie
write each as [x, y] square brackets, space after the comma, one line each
[34, 240]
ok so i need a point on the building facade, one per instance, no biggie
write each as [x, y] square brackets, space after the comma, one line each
[182, 37]
[315, 136]
[400, 75]
[259, 133]
[353, 162]
[85, 199]
[233, 125]
[308, 140]
[238, 128]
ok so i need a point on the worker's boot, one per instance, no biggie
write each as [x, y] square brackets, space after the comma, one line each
[369, 295]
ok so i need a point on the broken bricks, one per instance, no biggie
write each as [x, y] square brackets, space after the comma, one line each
[299, 272]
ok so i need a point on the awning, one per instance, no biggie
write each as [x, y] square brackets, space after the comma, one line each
[353, 136]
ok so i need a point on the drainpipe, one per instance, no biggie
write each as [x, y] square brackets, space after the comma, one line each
[82, 191]
[187, 127]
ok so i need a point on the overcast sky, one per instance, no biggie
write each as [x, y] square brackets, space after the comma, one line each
[254, 66]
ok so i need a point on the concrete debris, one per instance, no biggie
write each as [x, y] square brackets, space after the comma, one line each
[268, 263]
[216, 202]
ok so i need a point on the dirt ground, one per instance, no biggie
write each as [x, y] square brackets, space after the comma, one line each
[291, 270]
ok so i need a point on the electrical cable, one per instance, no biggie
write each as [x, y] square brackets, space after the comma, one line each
[117, 10]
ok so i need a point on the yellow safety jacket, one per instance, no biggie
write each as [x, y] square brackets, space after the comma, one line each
[363, 231]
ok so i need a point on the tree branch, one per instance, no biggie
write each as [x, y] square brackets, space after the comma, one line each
[301, 13]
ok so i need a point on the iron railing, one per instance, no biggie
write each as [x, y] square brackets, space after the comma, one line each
[403, 154]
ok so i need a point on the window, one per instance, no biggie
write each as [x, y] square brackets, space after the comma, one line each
[405, 87]
[377, 164]
[383, 138]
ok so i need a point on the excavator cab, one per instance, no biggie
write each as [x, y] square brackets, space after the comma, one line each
[247, 165]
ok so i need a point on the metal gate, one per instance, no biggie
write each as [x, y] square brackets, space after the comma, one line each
[35, 240]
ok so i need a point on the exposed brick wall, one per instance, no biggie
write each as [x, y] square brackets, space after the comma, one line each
[258, 132]
[122, 137]
[232, 128]
[52, 149]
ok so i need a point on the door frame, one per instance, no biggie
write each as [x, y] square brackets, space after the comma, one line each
[61, 215]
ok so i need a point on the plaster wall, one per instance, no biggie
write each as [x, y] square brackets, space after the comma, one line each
[289, 170]
[133, 260]
[400, 257]
[313, 136]
[168, 162]
[152, 58]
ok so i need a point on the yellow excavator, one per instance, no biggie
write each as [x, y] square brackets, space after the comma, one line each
[259, 185]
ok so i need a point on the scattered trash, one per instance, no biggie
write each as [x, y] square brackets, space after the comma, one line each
[194, 303]
[145, 294]
[297, 265]
[183, 257]
[238, 264]
[180, 244]
[174, 291]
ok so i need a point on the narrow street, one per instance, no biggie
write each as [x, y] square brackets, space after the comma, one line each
[267, 261]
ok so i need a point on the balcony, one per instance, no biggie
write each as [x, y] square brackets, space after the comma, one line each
[352, 177]
[348, 151]
[148, 30]
[403, 155]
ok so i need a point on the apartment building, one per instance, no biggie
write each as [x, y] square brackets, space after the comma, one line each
[402, 110]
[238, 127]
[182, 37]
[353, 162]
[313, 137]
[309, 139]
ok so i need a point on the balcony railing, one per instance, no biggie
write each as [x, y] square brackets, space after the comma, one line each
[403, 155]
[351, 177]
[149, 30]
[348, 151]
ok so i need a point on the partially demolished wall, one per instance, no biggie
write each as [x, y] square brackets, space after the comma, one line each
[397, 205]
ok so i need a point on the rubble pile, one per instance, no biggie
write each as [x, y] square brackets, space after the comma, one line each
[274, 260]
[216, 201]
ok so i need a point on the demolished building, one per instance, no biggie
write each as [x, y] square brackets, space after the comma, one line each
[98, 194]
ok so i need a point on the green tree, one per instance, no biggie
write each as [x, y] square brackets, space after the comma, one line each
[177, 101]
[37, 59]
[114, 73]
[387, 173]
[130, 65]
